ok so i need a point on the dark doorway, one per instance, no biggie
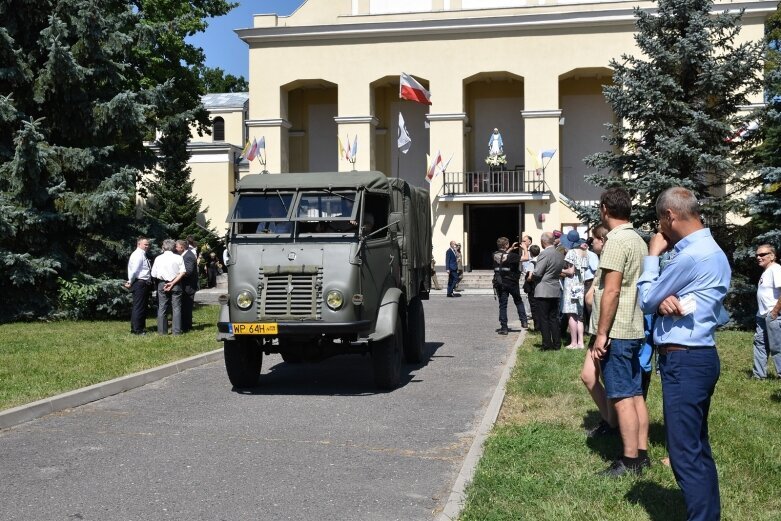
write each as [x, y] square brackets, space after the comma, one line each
[486, 224]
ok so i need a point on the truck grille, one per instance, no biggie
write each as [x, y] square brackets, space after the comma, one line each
[294, 293]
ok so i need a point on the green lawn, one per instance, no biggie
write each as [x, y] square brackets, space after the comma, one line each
[538, 464]
[42, 359]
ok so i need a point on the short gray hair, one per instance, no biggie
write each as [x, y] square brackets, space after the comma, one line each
[680, 200]
[181, 242]
[546, 239]
[168, 245]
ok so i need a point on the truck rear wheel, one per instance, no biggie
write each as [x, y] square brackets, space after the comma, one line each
[386, 359]
[243, 359]
[415, 338]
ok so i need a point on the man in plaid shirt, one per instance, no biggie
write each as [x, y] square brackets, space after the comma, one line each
[619, 334]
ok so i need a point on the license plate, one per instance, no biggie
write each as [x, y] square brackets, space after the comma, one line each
[254, 328]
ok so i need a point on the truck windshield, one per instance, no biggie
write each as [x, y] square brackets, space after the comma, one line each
[326, 206]
[263, 213]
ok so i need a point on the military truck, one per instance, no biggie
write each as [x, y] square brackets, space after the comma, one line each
[322, 264]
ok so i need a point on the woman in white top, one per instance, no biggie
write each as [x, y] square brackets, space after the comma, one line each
[767, 338]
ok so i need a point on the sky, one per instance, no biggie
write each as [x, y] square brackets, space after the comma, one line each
[223, 47]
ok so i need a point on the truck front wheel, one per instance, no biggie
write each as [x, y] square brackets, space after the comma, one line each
[386, 359]
[243, 359]
[415, 341]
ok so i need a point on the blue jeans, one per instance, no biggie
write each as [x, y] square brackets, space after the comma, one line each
[767, 342]
[688, 381]
[503, 292]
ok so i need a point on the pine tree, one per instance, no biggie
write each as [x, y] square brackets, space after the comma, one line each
[675, 109]
[71, 148]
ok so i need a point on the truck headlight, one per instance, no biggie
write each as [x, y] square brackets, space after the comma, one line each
[244, 299]
[334, 299]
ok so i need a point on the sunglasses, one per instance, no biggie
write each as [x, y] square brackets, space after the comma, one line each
[763, 254]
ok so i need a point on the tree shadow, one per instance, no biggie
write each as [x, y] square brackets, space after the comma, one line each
[342, 375]
[660, 502]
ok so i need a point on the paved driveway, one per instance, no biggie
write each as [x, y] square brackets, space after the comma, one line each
[315, 441]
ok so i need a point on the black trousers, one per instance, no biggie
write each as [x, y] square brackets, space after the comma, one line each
[550, 325]
[140, 289]
[188, 303]
[510, 288]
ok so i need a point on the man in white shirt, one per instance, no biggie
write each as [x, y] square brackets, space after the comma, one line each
[139, 281]
[169, 269]
[767, 339]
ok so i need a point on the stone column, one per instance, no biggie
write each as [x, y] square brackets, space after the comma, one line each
[541, 132]
[276, 133]
[364, 128]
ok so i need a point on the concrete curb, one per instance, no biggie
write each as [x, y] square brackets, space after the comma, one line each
[31, 411]
[455, 502]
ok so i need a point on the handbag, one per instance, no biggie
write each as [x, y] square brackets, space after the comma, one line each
[576, 292]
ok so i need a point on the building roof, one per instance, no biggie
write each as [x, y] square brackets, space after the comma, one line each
[372, 181]
[225, 100]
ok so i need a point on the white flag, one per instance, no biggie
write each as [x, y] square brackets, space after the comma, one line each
[404, 141]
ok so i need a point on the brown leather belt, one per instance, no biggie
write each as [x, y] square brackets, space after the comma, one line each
[663, 349]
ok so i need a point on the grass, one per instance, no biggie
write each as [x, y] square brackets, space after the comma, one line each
[43, 359]
[539, 465]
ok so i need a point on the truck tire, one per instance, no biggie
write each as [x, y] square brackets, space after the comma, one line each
[243, 359]
[415, 338]
[386, 359]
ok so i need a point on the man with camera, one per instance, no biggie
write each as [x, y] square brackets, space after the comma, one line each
[507, 273]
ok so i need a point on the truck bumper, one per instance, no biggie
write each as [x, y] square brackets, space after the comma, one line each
[304, 329]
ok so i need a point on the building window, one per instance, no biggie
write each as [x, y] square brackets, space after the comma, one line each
[218, 129]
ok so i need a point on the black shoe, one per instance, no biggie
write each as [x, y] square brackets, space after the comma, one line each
[603, 429]
[139, 333]
[504, 331]
[618, 469]
[449, 294]
[645, 462]
[524, 325]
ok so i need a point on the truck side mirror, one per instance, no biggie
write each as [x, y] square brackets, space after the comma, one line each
[395, 222]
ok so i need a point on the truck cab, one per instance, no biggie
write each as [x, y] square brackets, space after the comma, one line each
[324, 264]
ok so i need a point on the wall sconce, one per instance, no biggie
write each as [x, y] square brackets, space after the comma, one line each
[542, 217]
[561, 121]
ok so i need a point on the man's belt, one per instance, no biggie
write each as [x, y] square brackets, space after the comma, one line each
[664, 349]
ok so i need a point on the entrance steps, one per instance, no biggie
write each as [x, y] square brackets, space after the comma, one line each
[475, 279]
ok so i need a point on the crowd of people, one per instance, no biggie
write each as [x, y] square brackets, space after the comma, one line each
[174, 276]
[636, 301]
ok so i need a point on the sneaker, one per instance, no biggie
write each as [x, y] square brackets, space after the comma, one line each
[618, 469]
[603, 429]
[645, 462]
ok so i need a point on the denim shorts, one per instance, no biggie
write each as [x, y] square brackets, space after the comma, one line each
[621, 369]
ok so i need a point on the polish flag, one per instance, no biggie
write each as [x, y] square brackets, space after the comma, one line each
[432, 170]
[410, 89]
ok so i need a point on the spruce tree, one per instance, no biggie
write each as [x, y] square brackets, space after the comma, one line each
[765, 205]
[71, 147]
[169, 60]
[675, 109]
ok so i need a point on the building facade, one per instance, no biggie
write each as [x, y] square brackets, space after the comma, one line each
[532, 69]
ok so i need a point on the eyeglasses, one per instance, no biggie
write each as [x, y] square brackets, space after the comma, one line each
[763, 254]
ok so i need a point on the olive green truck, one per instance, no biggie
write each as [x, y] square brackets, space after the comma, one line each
[322, 264]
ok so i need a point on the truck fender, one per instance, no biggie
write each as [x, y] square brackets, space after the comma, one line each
[225, 316]
[387, 314]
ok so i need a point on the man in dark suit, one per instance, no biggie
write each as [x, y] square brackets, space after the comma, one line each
[547, 293]
[189, 284]
[451, 265]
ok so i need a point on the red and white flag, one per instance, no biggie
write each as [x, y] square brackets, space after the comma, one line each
[743, 132]
[410, 89]
[253, 150]
[432, 169]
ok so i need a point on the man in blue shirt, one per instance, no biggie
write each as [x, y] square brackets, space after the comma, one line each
[687, 296]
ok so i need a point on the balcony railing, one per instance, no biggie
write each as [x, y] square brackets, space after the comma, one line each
[494, 182]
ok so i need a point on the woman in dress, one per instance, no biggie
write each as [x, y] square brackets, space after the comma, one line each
[575, 266]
